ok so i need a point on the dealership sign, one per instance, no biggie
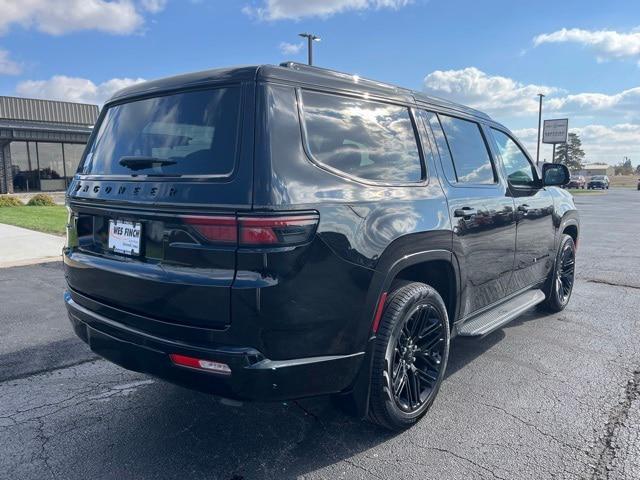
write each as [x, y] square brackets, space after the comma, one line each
[555, 131]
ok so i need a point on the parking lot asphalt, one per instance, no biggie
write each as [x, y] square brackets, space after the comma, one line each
[555, 396]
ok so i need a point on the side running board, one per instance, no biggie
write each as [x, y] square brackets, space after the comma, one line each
[495, 318]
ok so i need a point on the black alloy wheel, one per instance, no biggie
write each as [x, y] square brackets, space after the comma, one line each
[410, 358]
[565, 273]
[417, 356]
[562, 278]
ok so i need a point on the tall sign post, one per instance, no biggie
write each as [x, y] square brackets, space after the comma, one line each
[555, 131]
[539, 118]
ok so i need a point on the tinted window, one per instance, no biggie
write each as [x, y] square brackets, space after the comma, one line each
[72, 155]
[518, 167]
[191, 133]
[50, 160]
[469, 152]
[443, 148]
[369, 140]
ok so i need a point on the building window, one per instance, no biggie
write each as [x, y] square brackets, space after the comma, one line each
[72, 155]
[45, 166]
[51, 166]
[24, 168]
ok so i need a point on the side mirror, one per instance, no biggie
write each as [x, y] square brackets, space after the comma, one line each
[555, 174]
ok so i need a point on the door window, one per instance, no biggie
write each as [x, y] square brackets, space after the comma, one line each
[520, 171]
[469, 151]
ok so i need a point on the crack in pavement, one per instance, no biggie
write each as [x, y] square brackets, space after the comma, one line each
[462, 458]
[617, 417]
[612, 284]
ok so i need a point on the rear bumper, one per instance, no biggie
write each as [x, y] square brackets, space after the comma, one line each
[253, 377]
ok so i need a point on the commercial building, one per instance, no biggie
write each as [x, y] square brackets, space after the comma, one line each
[41, 142]
[597, 169]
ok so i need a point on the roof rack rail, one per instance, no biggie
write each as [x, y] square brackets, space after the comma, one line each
[420, 96]
[347, 76]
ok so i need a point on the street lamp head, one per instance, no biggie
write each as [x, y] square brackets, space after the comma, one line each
[310, 36]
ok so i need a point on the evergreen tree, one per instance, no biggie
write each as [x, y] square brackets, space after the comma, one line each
[624, 168]
[570, 153]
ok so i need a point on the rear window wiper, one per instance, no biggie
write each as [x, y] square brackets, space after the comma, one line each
[139, 163]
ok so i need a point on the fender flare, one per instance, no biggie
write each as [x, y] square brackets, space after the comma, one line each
[380, 283]
[570, 218]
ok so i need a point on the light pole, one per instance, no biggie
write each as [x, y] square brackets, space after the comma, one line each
[539, 122]
[310, 39]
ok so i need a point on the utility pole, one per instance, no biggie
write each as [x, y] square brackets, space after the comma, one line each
[310, 39]
[539, 123]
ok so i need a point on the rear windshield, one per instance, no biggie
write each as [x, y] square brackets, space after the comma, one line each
[189, 133]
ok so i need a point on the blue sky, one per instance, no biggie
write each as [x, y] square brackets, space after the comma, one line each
[584, 55]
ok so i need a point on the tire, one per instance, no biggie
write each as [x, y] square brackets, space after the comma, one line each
[559, 285]
[410, 355]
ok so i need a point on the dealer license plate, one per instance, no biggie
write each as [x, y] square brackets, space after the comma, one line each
[124, 237]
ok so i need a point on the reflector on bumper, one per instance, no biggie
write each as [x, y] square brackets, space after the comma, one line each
[200, 364]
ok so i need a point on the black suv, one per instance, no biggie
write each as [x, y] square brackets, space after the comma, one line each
[598, 181]
[278, 232]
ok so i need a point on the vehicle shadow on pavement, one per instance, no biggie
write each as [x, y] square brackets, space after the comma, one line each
[164, 431]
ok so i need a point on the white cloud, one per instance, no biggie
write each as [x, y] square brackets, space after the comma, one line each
[606, 43]
[601, 143]
[290, 48]
[8, 66]
[63, 16]
[504, 97]
[625, 104]
[153, 6]
[493, 94]
[73, 89]
[296, 9]
[609, 123]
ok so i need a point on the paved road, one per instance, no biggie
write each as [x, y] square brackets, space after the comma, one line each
[547, 397]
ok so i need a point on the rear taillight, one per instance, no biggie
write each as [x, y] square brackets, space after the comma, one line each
[256, 230]
[281, 230]
[215, 229]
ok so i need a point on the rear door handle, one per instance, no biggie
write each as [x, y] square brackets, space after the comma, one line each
[464, 212]
[523, 208]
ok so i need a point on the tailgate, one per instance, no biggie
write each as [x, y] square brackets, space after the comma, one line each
[176, 275]
[162, 167]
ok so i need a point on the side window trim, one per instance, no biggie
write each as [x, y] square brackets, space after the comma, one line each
[426, 116]
[305, 141]
[492, 160]
[522, 150]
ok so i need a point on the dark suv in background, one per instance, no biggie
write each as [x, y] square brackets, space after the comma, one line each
[277, 232]
[598, 181]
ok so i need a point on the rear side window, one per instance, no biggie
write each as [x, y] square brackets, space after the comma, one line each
[189, 133]
[469, 151]
[369, 140]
